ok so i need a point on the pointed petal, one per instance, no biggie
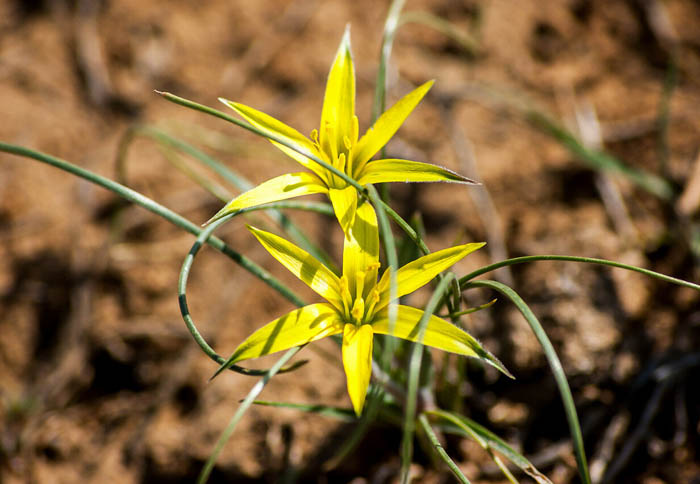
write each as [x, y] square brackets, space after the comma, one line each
[303, 265]
[272, 126]
[357, 360]
[418, 273]
[296, 328]
[386, 125]
[339, 101]
[273, 190]
[344, 205]
[438, 334]
[361, 248]
[392, 170]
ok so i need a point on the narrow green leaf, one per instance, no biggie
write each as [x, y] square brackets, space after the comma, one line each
[343, 414]
[490, 441]
[441, 451]
[554, 364]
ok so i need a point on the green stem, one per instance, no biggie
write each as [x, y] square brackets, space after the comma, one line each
[284, 142]
[185, 312]
[145, 202]
[219, 168]
[554, 364]
[414, 377]
[570, 258]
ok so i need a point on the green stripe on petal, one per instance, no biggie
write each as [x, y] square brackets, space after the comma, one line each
[386, 126]
[438, 334]
[303, 265]
[357, 360]
[296, 328]
[344, 203]
[274, 127]
[392, 170]
[339, 101]
[418, 273]
[361, 248]
[279, 188]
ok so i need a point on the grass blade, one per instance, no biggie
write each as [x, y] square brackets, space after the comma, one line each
[153, 206]
[490, 442]
[239, 182]
[243, 407]
[344, 414]
[554, 364]
[571, 258]
[441, 451]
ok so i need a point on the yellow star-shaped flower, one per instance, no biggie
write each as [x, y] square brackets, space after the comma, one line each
[357, 305]
[338, 144]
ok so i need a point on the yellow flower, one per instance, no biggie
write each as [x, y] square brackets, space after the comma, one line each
[357, 305]
[336, 143]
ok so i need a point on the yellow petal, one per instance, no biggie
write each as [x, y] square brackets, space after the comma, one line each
[391, 170]
[361, 248]
[279, 188]
[339, 101]
[274, 127]
[303, 265]
[418, 273]
[344, 205]
[357, 360]
[438, 334]
[296, 328]
[386, 126]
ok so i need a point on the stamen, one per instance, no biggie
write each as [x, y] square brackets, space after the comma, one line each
[358, 310]
[346, 142]
[345, 295]
[359, 284]
[314, 136]
[374, 266]
[372, 301]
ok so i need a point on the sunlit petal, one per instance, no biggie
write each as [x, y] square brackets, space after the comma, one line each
[344, 203]
[339, 101]
[392, 170]
[357, 360]
[296, 328]
[361, 248]
[438, 334]
[274, 127]
[279, 188]
[303, 265]
[418, 273]
[386, 125]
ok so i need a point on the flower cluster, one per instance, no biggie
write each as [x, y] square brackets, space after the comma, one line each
[357, 302]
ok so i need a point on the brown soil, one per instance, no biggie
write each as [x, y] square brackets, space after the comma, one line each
[101, 382]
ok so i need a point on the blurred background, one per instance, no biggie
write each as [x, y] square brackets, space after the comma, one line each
[100, 380]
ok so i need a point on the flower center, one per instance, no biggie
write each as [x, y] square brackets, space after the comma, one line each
[358, 308]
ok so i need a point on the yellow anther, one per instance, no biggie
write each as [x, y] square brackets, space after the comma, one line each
[359, 284]
[358, 310]
[314, 135]
[374, 266]
[372, 300]
[346, 142]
